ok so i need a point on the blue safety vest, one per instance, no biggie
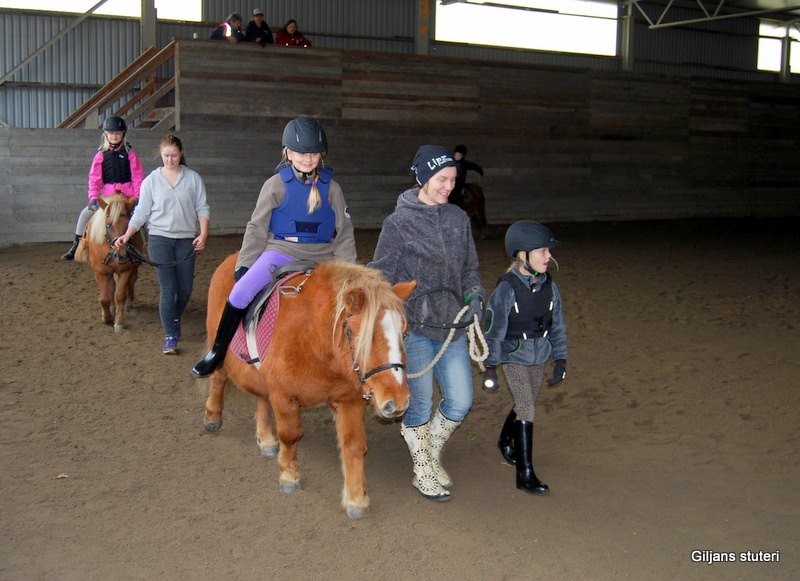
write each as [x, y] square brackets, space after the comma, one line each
[291, 221]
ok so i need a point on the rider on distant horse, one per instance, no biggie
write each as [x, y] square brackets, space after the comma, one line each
[463, 165]
[301, 214]
[115, 168]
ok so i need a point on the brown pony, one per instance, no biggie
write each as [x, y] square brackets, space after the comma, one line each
[114, 271]
[337, 340]
[475, 206]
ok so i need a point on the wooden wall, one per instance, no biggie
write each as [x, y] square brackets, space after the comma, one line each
[556, 144]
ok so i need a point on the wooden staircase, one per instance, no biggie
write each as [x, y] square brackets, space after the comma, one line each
[143, 95]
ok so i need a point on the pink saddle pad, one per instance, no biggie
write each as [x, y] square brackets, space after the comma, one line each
[264, 328]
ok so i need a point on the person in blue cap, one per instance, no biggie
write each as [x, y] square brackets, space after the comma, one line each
[525, 328]
[430, 241]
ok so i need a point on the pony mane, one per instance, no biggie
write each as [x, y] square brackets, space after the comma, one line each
[378, 294]
[110, 214]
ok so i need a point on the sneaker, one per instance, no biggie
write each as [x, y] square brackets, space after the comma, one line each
[170, 345]
[177, 326]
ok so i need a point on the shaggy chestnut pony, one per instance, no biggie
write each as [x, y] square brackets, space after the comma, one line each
[114, 271]
[337, 340]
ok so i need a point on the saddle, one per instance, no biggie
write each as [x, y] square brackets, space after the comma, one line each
[253, 337]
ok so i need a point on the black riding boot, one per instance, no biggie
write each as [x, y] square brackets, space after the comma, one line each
[70, 254]
[231, 317]
[506, 440]
[523, 444]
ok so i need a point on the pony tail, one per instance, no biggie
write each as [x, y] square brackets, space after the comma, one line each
[314, 199]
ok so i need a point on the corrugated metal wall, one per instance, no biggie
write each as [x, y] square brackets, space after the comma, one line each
[53, 85]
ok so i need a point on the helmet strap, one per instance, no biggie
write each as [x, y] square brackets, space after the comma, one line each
[528, 266]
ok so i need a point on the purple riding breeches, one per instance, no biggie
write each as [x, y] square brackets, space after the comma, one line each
[256, 278]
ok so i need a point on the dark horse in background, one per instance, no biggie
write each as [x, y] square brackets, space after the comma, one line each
[337, 340]
[475, 207]
[114, 271]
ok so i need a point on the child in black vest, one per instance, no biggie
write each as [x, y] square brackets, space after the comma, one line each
[525, 328]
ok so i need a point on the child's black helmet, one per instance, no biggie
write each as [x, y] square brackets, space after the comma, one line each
[305, 135]
[528, 235]
[115, 124]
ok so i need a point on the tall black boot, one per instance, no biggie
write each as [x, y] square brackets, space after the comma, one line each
[506, 440]
[70, 254]
[523, 444]
[231, 317]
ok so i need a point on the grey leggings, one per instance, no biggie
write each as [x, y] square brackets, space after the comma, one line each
[83, 219]
[525, 382]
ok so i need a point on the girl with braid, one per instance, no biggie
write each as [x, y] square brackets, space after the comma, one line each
[301, 214]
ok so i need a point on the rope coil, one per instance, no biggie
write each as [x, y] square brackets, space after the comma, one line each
[478, 348]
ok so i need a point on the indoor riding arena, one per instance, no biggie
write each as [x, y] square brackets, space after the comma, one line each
[668, 172]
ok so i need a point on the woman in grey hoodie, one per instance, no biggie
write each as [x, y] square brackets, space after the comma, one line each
[430, 241]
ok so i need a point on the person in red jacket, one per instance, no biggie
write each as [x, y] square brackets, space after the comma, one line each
[290, 36]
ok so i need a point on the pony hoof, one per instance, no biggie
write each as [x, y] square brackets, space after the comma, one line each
[290, 487]
[212, 427]
[357, 512]
[119, 328]
[269, 451]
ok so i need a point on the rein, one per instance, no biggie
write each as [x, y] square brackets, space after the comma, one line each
[136, 254]
[114, 254]
[363, 377]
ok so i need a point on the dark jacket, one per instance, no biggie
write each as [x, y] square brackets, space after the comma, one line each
[224, 30]
[535, 351]
[260, 34]
[432, 245]
[462, 167]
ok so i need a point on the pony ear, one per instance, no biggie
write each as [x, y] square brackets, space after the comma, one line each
[355, 300]
[404, 289]
[102, 203]
[130, 203]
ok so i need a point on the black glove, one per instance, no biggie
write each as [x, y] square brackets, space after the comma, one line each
[559, 372]
[93, 205]
[239, 273]
[490, 381]
[475, 302]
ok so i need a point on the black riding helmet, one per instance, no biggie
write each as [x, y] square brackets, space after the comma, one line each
[115, 124]
[528, 235]
[305, 135]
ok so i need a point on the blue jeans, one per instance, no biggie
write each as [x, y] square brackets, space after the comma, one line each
[453, 374]
[175, 277]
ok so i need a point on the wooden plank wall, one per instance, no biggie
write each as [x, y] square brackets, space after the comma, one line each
[557, 144]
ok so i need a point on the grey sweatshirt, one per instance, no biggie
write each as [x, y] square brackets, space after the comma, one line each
[432, 245]
[172, 212]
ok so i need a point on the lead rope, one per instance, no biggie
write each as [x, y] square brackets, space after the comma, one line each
[474, 337]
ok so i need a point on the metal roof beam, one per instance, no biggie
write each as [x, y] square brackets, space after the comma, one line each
[659, 23]
[52, 41]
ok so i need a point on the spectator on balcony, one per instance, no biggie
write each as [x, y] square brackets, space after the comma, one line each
[258, 30]
[230, 30]
[290, 36]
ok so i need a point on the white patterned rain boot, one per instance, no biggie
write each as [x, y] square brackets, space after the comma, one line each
[441, 429]
[418, 440]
